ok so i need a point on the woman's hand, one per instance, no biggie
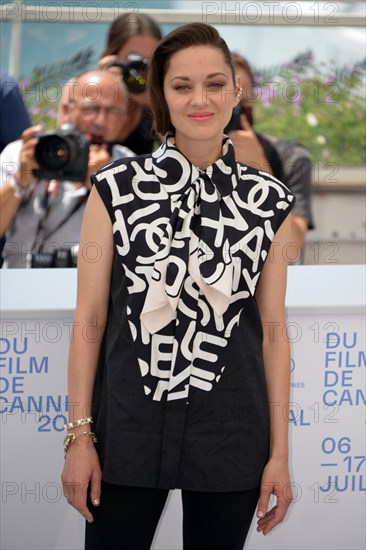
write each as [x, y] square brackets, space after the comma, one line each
[82, 468]
[104, 62]
[275, 481]
[247, 147]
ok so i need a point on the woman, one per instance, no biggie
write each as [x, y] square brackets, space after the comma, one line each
[132, 37]
[287, 160]
[186, 394]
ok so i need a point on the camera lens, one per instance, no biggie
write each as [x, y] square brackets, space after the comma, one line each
[134, 75]
[52, 152]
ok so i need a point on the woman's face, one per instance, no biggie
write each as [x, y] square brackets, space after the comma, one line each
[142, 45]
[200, 94]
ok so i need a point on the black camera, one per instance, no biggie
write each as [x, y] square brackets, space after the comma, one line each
[234, 122]
[63, 154]
[134, 73]
[62, 257]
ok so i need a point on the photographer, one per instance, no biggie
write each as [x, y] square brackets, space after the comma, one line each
[287, 160]
[132, 39]
[42, 215]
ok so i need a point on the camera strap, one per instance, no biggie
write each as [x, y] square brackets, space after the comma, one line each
[51, 191]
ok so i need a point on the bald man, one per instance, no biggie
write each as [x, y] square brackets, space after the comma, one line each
[42, 218]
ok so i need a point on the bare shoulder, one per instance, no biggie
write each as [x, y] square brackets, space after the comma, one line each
[271, 288]
[95, 211]
[96, 240]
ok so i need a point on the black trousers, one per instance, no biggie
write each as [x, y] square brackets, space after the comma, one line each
[127, 517]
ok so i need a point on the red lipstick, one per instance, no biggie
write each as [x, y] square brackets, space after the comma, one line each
[201, 116]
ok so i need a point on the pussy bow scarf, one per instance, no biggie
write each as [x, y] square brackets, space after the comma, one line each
[204, 207]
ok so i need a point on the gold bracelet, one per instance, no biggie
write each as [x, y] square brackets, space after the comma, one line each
[70, 438]
[77, 423]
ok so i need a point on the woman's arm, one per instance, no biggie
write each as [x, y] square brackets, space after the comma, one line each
[94, 272]
[270, 297]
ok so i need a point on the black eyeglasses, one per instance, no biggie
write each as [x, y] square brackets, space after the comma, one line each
[134, 73]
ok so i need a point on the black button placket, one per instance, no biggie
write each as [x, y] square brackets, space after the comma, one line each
[178, 397]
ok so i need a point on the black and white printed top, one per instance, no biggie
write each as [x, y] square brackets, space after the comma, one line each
[180, 397]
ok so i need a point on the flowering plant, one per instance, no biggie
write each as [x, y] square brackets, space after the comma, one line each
[320, 106]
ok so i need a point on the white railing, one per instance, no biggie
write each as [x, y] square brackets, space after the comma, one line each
[226, 13]
[301, 13]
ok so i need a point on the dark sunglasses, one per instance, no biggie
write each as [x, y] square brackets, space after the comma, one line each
[134, 73]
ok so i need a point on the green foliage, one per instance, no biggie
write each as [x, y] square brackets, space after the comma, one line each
[322, 107]
[42, 92]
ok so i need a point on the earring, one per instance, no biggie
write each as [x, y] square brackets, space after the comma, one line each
[239, 93]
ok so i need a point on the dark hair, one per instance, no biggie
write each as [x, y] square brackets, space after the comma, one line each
[242, 62]
[193, 34]
[128, 25]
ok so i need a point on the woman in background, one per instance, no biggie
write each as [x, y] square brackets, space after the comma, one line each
[184, 361]
[131, 41]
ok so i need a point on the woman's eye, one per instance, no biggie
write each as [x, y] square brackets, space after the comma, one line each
[215, 85]
[181, 88]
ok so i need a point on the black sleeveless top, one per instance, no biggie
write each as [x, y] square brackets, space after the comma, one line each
[180, 397]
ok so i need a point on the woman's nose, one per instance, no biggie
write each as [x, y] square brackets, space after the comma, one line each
[199, 96]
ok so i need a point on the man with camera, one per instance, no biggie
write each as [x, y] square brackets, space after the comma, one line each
[45, 179]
